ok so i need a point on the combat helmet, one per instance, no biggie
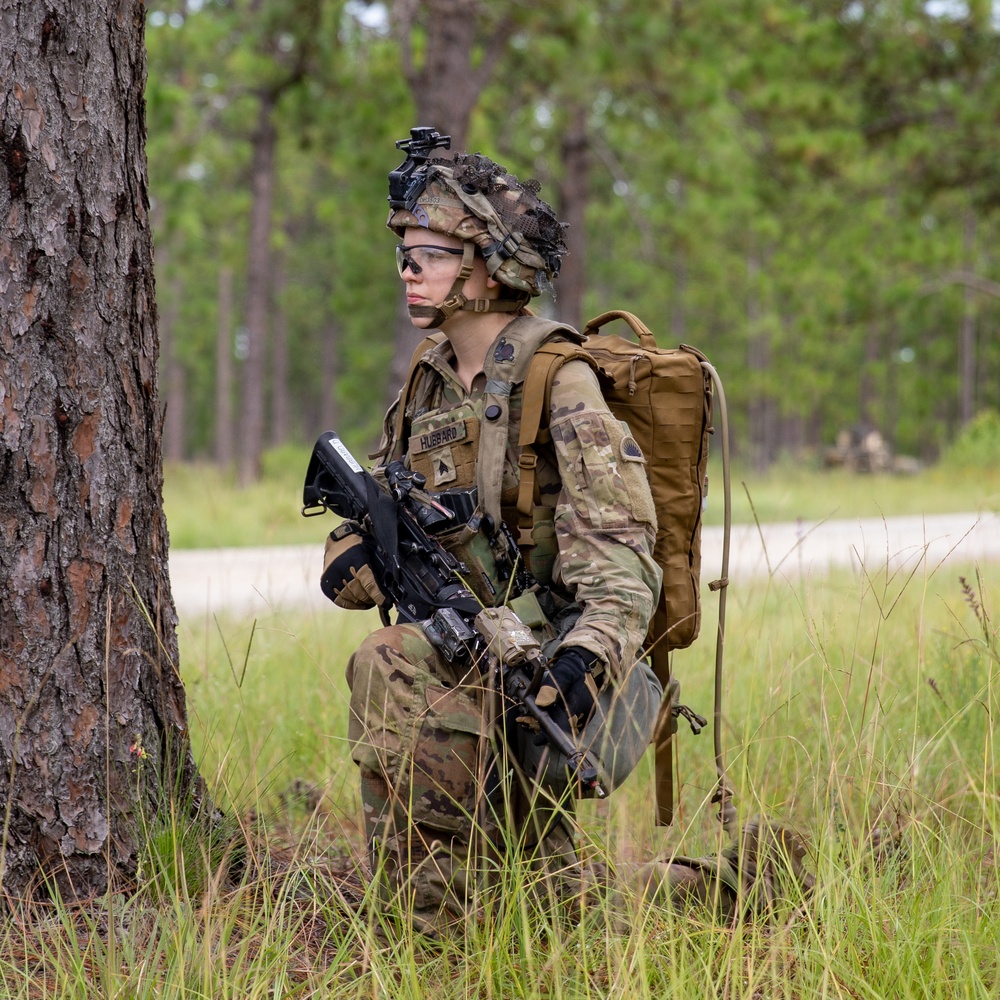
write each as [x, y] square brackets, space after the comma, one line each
[472, 197]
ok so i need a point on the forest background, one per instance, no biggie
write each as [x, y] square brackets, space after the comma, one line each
[807, 191]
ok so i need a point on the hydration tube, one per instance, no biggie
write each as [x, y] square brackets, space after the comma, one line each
[723, 793]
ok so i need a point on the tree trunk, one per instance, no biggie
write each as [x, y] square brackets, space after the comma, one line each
[569, 285]
[93, 730]
[224, 371]
[892, 384]
[679, 271]
[407, 338]
[252, 416]
[761, 410]
[870, 398]
[329, 404]
[445, 86]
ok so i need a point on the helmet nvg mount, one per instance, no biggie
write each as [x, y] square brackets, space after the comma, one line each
[472, 197]
[404, 187]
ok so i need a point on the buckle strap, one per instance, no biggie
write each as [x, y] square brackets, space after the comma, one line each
[496, 253]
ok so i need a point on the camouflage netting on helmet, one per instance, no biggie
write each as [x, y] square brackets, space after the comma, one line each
[474, 198]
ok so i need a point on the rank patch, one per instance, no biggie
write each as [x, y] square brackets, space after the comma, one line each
[444, 467]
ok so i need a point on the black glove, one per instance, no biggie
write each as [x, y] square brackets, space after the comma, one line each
[568, 692]
[347, 576]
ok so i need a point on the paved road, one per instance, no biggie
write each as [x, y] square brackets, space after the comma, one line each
[207, 581]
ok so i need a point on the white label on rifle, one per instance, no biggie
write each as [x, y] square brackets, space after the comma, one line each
[338, 446]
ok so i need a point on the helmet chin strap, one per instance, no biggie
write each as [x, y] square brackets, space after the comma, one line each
[457, 300]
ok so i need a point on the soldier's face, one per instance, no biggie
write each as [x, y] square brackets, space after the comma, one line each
[438, 270]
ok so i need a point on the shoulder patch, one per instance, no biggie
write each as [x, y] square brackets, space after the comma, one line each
[631, 451]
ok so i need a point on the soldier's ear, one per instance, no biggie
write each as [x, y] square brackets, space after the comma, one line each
[492, 282]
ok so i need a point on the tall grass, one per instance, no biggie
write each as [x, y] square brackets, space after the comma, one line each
[860, 708]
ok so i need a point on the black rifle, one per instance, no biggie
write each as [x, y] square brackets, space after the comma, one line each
[424, 581]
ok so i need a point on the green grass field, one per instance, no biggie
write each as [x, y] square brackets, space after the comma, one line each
[853, 703]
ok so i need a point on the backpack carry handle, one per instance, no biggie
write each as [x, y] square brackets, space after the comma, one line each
[646, 338]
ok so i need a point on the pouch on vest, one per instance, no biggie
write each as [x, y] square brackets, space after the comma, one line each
[472, 548]
[444, 445]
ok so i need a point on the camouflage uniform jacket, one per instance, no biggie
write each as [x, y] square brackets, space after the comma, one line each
[595, 524]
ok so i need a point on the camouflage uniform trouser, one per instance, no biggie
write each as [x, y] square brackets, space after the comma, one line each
[442, 801]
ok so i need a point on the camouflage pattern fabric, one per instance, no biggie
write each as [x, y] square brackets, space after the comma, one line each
[441, 805]
[442, 802]
[419, 725]
[605, 523]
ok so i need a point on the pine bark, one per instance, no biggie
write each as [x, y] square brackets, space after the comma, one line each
[93, 731]
[330, 360]
[280, 430]
[760, 410]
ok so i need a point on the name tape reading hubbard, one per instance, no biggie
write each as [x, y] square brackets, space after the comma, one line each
[439, 436]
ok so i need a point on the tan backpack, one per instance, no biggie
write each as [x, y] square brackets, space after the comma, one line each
[665, 397]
